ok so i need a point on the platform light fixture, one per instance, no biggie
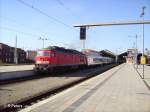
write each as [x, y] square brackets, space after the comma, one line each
[43, 39]
[142, 16]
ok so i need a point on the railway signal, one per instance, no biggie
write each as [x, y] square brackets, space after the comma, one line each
[82, 33]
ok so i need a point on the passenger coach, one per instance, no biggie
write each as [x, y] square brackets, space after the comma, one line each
[94, 58]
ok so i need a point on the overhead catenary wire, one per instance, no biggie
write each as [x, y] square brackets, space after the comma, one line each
[14, 30]
[67, 8]
[24, 33]
[44, 13]
[22, 24]
[62, 4]
[27, 33]
[18, 23]
[33, 2]
[18, 31]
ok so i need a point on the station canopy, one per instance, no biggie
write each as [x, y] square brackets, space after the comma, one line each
[107, 53]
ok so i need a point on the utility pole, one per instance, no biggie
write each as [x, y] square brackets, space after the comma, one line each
[43, 39]
[136, 50]
[83, 44]
[142, 15]
[15, 52]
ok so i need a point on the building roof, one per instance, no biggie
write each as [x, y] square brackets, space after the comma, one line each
[7, 46]
[107, 53]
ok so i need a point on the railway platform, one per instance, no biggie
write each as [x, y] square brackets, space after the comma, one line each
[4, 69]
[120, 89]
[14, 72]
[146, 74]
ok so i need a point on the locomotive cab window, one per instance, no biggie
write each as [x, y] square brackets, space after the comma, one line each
[41, 53]
[46, 53]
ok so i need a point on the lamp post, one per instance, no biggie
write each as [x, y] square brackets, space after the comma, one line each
[142, 15]
[43, 39]
[136, 51]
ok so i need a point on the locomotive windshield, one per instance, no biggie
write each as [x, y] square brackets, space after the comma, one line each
[43, 53]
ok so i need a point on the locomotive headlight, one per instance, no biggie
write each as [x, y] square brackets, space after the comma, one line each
[45, 62]
[42, 62]
[38, 62]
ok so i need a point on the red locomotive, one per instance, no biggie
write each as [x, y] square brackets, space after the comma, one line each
[54, 57]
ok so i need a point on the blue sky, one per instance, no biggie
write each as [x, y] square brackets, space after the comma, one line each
[29, 25]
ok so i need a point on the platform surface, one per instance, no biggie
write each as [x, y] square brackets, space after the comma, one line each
[120, 89]
[146, 73]
[4, 69]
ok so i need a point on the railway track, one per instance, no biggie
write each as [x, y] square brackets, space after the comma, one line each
[58, 84]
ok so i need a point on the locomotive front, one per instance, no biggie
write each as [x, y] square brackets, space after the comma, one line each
[43, 60]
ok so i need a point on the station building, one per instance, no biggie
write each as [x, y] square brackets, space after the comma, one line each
[7, 54]
[131, 55]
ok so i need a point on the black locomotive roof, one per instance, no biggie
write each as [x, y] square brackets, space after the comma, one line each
[61, 49]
